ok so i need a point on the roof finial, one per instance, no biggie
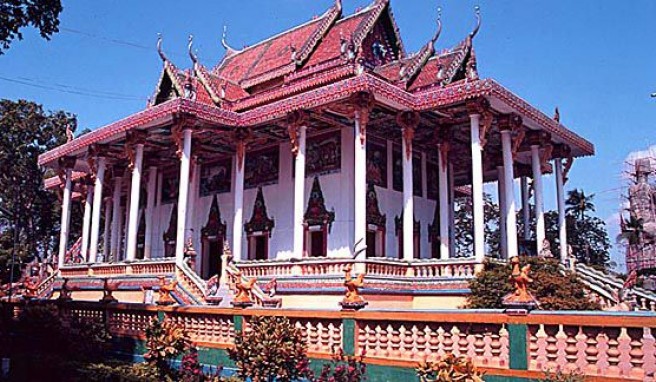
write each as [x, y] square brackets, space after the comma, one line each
[194, 58]
[224, 41]
[439, 25]
[159, 47]
[338, 4]
[477, 10]
[556, 116]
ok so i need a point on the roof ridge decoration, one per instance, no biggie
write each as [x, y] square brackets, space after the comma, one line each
[169, 69]
[230, 51]
[409, 71]
[376, 9]
[465, 57]
[202, 74]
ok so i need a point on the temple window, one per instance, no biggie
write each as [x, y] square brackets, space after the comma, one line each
[318, 221]
[141, 235]
[375, 225]
[212, 235]
[416, 235]
[259, 229]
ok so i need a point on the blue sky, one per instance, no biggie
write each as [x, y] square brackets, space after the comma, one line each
[593, 59]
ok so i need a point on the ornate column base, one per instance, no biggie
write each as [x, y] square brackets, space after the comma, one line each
[213, 300]
[241, 304]
[272, 303]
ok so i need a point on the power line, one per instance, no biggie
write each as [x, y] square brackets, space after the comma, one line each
[114, 94]
[71, 90]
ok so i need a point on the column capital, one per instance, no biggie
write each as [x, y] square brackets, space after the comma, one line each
[561, 151]
[408, 120]
[181, 124]
[362, 103]
[510, 122]
[478, 106]
[67, 163]
[539, 138]
[295, 120]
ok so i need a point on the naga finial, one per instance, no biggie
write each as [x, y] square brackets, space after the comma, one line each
[194, 57]
[159, 47]
[224, 40]
[338, 4]
[477, 11]
[439, 25]
[556, 116]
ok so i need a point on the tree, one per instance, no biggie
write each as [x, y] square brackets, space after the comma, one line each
[29, 213]
[553, 289]
[17, 14]
[586, 233]
[464, 226]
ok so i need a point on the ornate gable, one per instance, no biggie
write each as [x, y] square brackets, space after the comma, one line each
[214, 227]
[260, 221]
[316, 213]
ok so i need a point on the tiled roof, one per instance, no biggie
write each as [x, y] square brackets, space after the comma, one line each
[329, 48]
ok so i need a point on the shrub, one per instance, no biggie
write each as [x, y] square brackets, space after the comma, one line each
[553, 290]
[448, 369]
[342, 368]
[560, 376]
[272, 349]
[164, 342]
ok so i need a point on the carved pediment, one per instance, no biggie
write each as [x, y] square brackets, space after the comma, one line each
[316, 212]
[260, 221]
[214, 227]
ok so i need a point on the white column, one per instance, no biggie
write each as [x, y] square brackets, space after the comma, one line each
[238, 218]
[97, 201]
[443, 204]
[509, 177]
[183, 193]
[116, 219]
[360, 187]
[503, 234]
[537, 192]
[123, 227]
[86, 223]
[477, 188]
[560, 194]
[65, 218]
[107, 232]
[526, 208]
[299, 193]
[452, 211]
[135, 193]
[150, 209]
[408, 199]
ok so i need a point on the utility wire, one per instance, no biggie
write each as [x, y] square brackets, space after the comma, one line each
[71, 90]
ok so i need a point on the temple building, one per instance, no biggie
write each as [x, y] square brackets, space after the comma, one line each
[327, 144]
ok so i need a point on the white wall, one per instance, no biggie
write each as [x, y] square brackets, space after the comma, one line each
[338, 194]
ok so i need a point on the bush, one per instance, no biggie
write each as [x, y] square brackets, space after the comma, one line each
[553, 290]
[342, 369]
[164, 342]
[272, 349]
[560, 376]
[448, 369]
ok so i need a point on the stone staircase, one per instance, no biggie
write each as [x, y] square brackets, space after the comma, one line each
[609, 287]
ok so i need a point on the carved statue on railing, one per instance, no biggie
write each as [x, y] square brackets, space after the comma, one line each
[243, 291]
[164, 292]
[212, 293]
[65, 291]
[546, 249]
[352, 300]
[190, 253]
[109, 288]
[521, 298]
[271, 301]
[31, 285]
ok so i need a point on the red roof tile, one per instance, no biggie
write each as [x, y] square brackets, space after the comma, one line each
[329, 48]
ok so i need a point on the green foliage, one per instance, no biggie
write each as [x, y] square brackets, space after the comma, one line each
[271, 349]
[560, 376]
[17, 14]
[342, 368]
[553, 290]
[164, 342]
[464, 226]
[27, 132]
[449, 369]
[586, 233]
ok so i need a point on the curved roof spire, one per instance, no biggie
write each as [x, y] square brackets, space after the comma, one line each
[439, 25]
[473, 33]
[194, 57]
[159, 47]
[224, 42]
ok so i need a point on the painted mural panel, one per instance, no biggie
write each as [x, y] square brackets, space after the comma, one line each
[323, 154]
[216, 177]
[377, 163]
[397, 172]
[170, 187]
[262, 167]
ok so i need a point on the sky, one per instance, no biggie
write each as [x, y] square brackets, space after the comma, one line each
[593, 59]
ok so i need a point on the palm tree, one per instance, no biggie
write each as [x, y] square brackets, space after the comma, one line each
[578, 203]
[631, 231]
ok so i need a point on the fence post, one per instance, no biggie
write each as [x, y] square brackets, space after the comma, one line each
[238, 322]
[517, 346]
[348, 334]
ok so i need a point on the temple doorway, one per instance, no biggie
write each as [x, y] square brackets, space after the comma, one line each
[258, 247]
[316, 242]
[318, 221]
[212, 235]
